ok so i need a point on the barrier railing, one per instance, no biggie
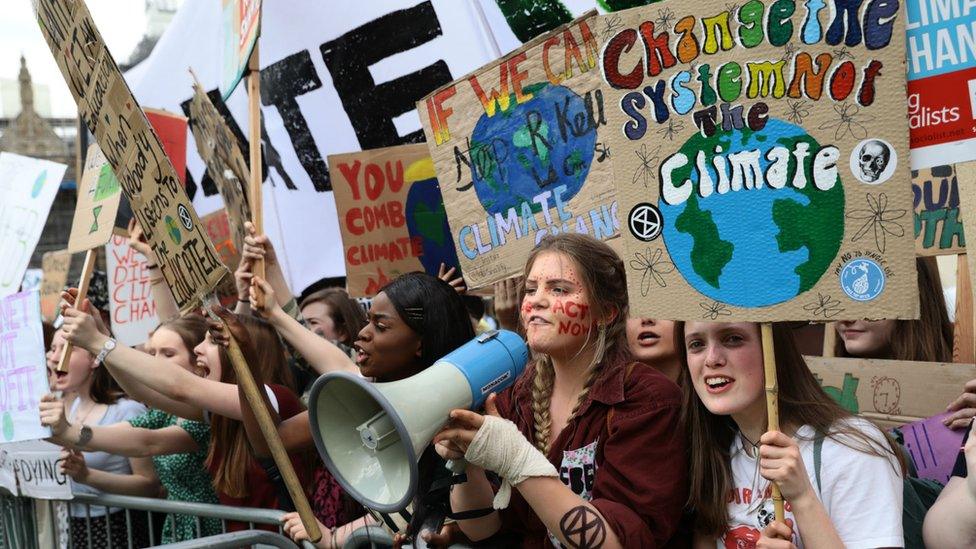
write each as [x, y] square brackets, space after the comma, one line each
[18, 526]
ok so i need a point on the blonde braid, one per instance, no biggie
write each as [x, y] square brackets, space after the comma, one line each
[541, 397]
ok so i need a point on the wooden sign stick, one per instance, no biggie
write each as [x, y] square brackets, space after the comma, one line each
[772, 403]
[829, 339]
[254, 115]
[86, 274]
[270, 432]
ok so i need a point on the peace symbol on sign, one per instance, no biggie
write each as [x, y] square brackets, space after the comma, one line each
[645, 221]
[185, 217]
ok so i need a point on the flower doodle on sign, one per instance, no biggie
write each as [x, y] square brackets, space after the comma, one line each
[798, 110]
[880, 219]
[714, 310]
[611, 24]
[672, 129]
[848, 121]
[653, 267]
[788, 51]
[645, 172]
[825, 306]
[843, 53]
[665, 16]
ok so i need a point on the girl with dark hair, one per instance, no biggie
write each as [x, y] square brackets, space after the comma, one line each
[99, 401]
[237, 478]
[838, 474]
[414, 320]
[178, 446]
[652, 342]
[587, 442]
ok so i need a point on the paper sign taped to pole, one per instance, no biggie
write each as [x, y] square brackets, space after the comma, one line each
[185, 254]
[391, 215]
[99, 193]
[27, 189]
[521, 150]
[132, 309]
[55, 266]
[938, 224]
[219, 228]
[760, 156]
[23, 368]
[225, 162]
[242, 24]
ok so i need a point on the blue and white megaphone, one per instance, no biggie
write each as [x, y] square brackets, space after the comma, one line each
[370, 435]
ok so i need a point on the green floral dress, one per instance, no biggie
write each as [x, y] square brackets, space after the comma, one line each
[183, 475]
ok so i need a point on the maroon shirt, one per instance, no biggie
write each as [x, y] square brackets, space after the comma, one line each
[632, 467]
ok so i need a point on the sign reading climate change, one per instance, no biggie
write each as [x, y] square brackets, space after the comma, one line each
[521, 152]
[761, 158]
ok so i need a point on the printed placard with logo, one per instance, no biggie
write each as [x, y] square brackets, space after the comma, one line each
[391, 215]
[521, 151]
[760, 158]
[185, 254]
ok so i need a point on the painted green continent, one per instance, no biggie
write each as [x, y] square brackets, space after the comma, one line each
[709, 253]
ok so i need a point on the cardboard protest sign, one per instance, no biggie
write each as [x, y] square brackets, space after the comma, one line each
[891, 392]
[938, 225]
[170, 128]
[520, 148]
[27, 189]
[23, 370]
[184, 252]
[933, 447]
[132, 308]
[941, 81]
[225, 162]
[98, 203]
[55, 266]
[760, 159]
[391, 215]
[242, 24]
[219, 228]
[31, 469]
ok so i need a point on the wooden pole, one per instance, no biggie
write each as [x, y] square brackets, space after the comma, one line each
[772, 403]
[270, 432]
[829, 339]
[254, 145]
[86, 274]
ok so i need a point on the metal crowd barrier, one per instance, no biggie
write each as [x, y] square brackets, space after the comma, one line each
[18, 527]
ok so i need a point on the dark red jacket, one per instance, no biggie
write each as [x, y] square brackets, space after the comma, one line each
[624, 451]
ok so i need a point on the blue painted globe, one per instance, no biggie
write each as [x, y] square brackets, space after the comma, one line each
[753, 247]
[531, 148]
[426, 218]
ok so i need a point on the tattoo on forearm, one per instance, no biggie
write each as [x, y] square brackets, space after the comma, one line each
[583, 528]
[85, 436]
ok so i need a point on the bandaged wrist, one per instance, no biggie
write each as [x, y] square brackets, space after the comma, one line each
[500, 447]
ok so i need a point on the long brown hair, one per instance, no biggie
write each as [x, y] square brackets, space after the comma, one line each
[191, 329]
[347, 315]
[602, 276]
[927, 339]
[265, 357]
[802, 401]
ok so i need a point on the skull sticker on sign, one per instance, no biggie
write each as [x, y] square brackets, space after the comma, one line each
[873, 161]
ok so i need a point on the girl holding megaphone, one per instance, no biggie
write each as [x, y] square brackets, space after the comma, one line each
[588, 443]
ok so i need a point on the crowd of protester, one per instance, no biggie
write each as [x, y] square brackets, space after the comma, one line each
[627, 432]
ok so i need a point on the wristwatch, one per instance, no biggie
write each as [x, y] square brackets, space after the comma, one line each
[107, 348]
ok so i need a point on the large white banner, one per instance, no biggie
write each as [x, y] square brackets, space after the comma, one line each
[27, 189]
[335, 77]
[23, 370]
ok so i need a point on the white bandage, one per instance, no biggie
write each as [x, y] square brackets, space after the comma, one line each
[500, 447]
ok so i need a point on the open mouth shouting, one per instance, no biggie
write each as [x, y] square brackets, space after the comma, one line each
[718, 383]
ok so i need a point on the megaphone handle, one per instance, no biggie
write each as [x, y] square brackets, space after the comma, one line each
[270, 432]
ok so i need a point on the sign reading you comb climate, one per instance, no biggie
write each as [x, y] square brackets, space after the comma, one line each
[185, 254]
[760, 157]
[520, 149]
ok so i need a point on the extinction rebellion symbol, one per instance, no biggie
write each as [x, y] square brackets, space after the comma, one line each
[185, 217]
[645, 221]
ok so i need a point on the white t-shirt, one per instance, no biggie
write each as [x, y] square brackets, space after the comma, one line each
[862, 493]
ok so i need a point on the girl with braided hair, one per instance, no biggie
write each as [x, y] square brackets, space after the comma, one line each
[589, 439]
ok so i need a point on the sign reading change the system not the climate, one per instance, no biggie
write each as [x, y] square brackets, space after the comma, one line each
[185, 254]
[760, 156]
[520, 149]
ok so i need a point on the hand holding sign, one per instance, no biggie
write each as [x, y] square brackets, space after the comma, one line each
[73, 464]
[964, 408]
[445, 274]
[81, 330]
[138, 242]
[263, 298]
[53, 414]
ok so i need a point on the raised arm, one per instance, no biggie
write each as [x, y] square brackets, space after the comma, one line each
[160, 375]
[320, 353]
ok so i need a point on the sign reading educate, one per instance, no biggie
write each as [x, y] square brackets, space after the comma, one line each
[185, 254]
[760, 157]
[391, 215]
[520, 148]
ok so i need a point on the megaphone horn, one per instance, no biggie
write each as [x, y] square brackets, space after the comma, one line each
[370, 435]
